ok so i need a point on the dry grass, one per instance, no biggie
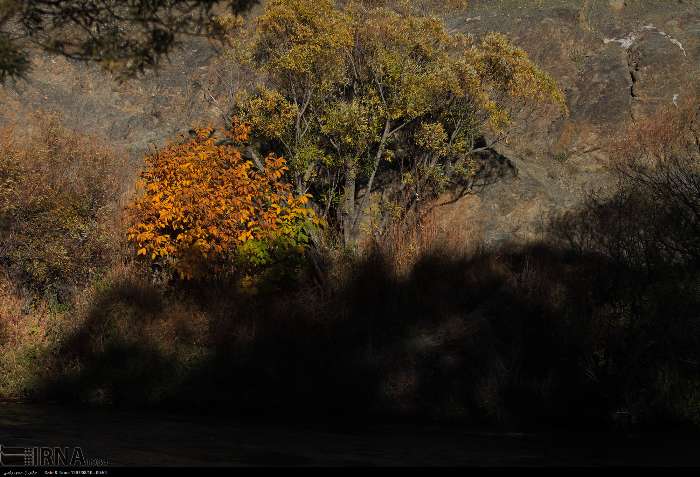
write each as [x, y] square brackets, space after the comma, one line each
[26, 330]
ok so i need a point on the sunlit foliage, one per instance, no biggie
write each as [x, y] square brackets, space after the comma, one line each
[205, 209]
[347, 88]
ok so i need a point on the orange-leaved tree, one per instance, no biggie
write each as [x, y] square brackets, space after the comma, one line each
[205, 209]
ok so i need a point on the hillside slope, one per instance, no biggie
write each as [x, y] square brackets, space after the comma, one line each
[618, 61]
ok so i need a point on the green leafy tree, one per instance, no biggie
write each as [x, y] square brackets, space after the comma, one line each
[124, 36]
[345, 88]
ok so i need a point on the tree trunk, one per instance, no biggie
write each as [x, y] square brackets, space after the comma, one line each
[348, 206]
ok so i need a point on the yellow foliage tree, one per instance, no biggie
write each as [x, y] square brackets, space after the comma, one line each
[348, 90]
[204, 206]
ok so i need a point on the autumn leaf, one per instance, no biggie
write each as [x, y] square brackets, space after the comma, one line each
[203, 201]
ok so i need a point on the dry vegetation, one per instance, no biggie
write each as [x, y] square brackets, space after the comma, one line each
[60, 205]
[586, 328]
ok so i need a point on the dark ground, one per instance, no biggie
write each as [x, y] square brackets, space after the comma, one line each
[174, 440]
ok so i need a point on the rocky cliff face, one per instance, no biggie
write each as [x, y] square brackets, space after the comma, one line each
[617, 60]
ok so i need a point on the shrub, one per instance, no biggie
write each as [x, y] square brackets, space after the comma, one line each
[58, 199]
[205, 209]
[652, 219]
